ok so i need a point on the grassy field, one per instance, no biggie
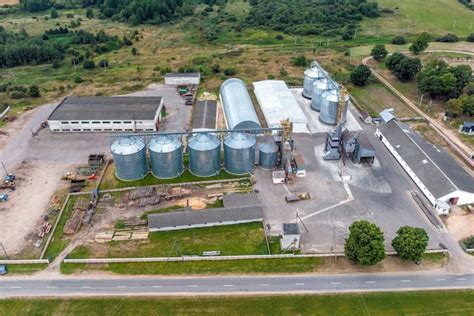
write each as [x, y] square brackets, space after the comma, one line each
[384, 304]
[416, 16]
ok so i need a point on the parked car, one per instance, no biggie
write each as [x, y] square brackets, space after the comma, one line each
[3, 269]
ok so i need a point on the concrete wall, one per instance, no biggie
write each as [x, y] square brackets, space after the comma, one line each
[288, 242]
[464, 198]
[176, 81]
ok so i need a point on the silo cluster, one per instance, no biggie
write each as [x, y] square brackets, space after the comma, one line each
[166, 155]
[310, 76]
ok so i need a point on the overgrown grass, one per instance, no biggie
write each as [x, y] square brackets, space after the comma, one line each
[457, 302]
[59, 241]
[25, 268]
[162, 210]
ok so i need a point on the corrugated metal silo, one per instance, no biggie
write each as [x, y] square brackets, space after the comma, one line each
[320, 86]
[311, 75]
[204, 155]
[129, 155]
[239, 153]
[329, 107]
[268, 155]
[239, 111]
[166, 155]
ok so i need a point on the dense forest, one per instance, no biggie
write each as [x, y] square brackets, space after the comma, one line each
[325, 17]
[17, 49]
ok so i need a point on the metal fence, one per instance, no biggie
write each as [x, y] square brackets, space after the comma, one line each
[25, 261]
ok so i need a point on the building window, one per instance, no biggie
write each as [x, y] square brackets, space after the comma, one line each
[118, 130]
[95, 122]
[149, 129]
[86, 129]
[127, 122]
[66, 130]
[85, 122]
[129, 130]
[106, 122]
[56, 130]
[117, 122]
[64, 123]
[74, 122]
[97, 130]
[76, 130]
[108, 129]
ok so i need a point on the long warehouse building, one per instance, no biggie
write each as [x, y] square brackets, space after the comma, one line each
[239, 111]
[441, 179]
[278, 103]
[107, 114]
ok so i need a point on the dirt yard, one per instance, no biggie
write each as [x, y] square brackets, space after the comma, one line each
[36, 184]
[460, 223]
[3, 2]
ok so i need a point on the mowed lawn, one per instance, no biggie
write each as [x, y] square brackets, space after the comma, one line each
[386, 304]
[416, 16]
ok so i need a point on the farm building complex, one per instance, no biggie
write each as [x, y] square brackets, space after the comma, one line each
[437, 175]
[106, 114]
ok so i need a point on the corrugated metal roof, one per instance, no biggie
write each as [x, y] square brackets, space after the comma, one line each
[238, 107]
[164, 143]
[106, 108]
[204, 142]
[437, 171]
[237, 200]
[204, 115]
[278, 103]
[183, 75]
[291, 229]
[127, 145]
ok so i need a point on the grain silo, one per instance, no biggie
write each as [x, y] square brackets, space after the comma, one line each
[204, 155]
[166, 156]
[268, 155]
[329, 107]
[239, 153]
[319, 87]
[310, 76]
[129, 155]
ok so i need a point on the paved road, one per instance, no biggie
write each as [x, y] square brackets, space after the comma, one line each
[232, 285]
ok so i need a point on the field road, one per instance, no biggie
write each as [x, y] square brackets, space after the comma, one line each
[232, 285]
[455, 143]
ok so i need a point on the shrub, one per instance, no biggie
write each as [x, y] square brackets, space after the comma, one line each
[279, 37]
[70, 15]
[448, 38]
[89, 13]
[53, 13]
[88, 64]
[34, 91]
[420, 44]
[17, 95]
[229, 71]
[379, 52]
[399, 40]
[78, 79]
[56, 64]
[300, 61]
[216, 68]
[104, 63]
[470, 37]
[134, 51]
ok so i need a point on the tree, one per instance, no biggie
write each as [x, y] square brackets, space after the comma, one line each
[399, 40]
[300, 61]
[408, 68]
[379, 52]
[360, 75]
[89, 13]
[470, 37]
[34, 91]
[410, 243]
[467, 104]
[420, 44]
[88, 64]
[134, 51]
[53, 14]
[365, 244]
[454, 107]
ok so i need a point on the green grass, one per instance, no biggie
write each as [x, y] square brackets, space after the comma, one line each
[111, 182]
[25, 268]
[162, 210]
[59, 241]
[416, 16]
[385, 304]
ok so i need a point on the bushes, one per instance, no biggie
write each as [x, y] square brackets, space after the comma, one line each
[78, 79]
[229, 72]
[448, 38]
[420, 44]
[470, 37]
[34, 91]
[300, 61]
[379, 52]
[88, 64]
[399, 40]
[104, 63]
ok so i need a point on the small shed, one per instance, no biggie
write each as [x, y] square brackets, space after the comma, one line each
[290, 238]
[467, 128]
[365, 117]
[176, 79]
[357, 147]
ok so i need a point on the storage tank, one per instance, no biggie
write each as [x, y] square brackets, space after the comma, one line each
[310, 76]
[166, 156]
[268, 155]
[329, 107]
[239, 153]
[319, 87]
[239, 111]
[129, 155]
[204, 155]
